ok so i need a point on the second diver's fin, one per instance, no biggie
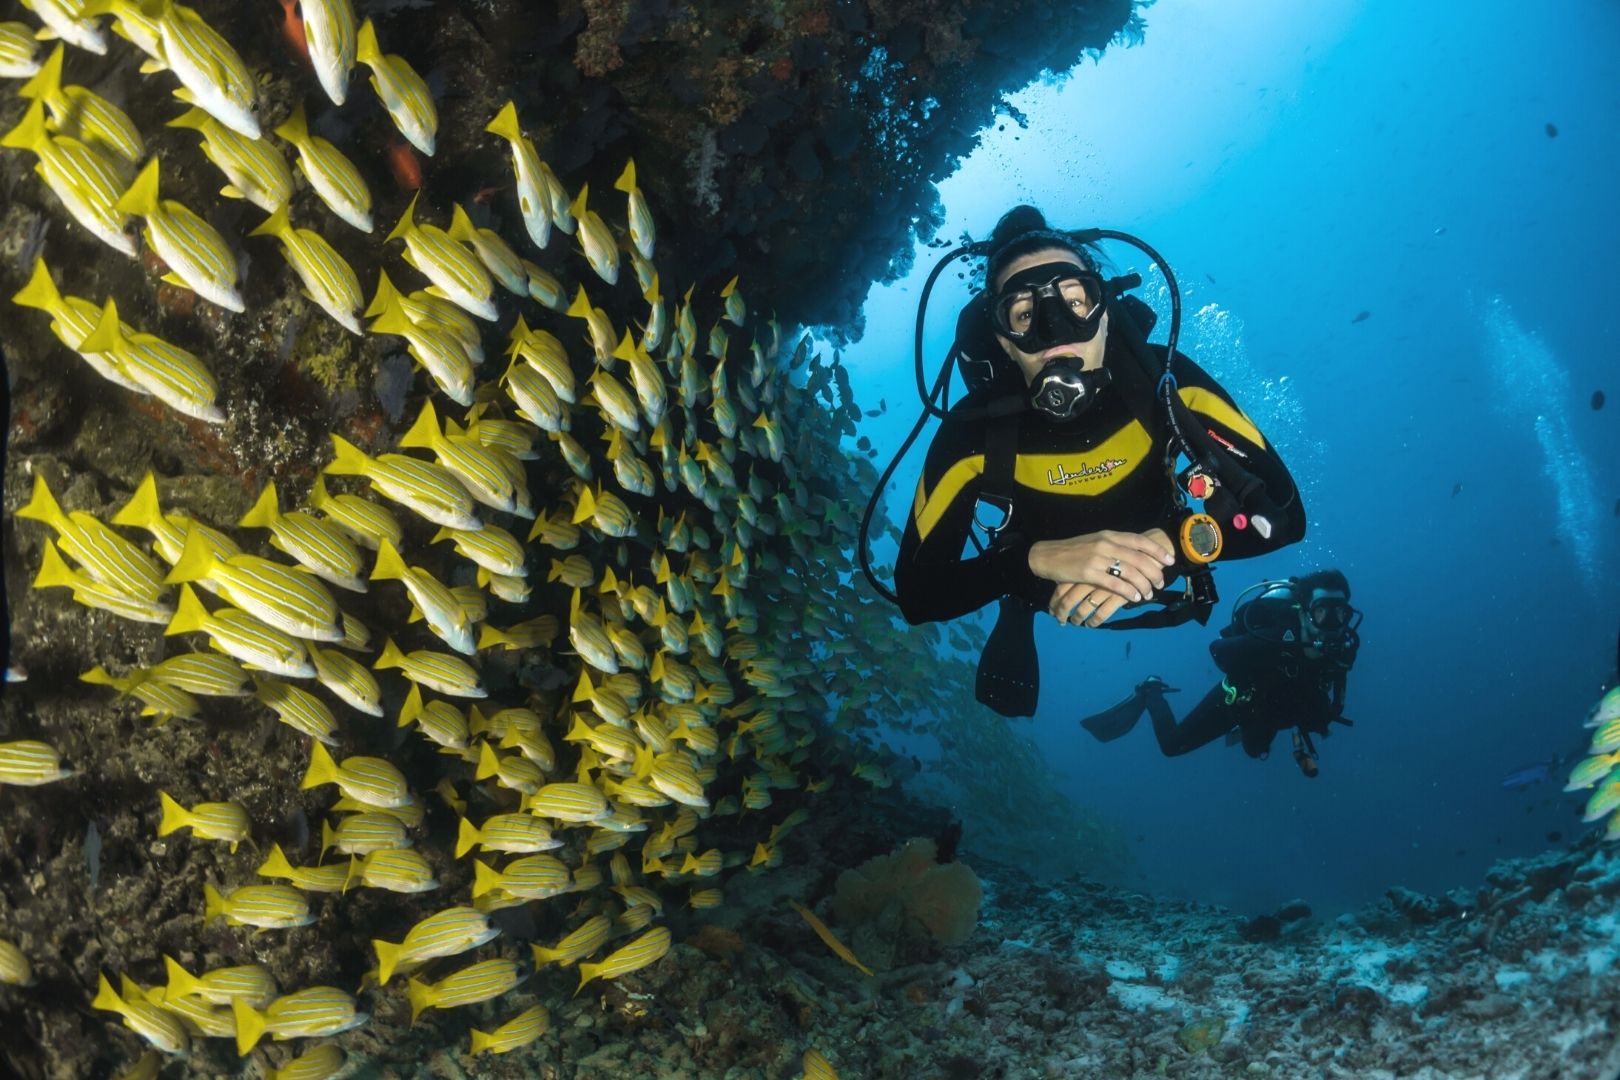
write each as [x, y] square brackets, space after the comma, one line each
[1009, 678]
[1114, 722]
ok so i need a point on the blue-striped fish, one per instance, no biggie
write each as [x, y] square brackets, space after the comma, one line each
[595, 239]
[328, 278]
[221, 986]
[402, 91]
[86, 181]
[330, 31]
[401, 870]
[317, 1011]
[541, 349]
[515, 834]
[544, 288]
[642, 231]
[105, 555]
[482, 981]
[603, 337]
[348, 679]
[366, 521]
[242, 636]
[577, 944]
[535, 396]
[286, 599]
[316, 1063]
[452, 268]
[162, 1029]
[317, 544]
[497, 483]
[269, 907]
[496, 255]
[518, 1032]
[55, 572]
[438, 671]
[329, 171]
[443, 723]
[514, 772]
[83, 114]
[297, 708]
[201, 673]
[526, 165]
[447, 933]
[491, 547]
[817, 1067]
[209, 69]
[72, 320]
[438, 348]
[167, 372]
[364, 832]
[210, 820]
[254, 168]
[533, 877]
[368, 780]
[67, 20]
[428, 489]
[197, 255]
[569, 801]
[438, 605]
[647, 949]
[329, 878]
[18, 51]
[30, 763]
[142, 511]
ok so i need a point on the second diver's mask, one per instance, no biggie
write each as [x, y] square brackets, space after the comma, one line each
[1042, 307]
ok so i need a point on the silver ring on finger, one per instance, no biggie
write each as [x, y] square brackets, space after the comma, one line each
[1114, 569]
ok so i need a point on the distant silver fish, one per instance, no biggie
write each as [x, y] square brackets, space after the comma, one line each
[1527, 775]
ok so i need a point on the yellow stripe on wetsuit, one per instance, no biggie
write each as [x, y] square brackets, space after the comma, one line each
[1130, 445]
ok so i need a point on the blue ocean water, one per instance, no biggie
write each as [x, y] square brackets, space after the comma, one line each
[1448, 170]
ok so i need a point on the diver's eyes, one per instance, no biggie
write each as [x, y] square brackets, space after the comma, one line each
[1075, 293]
[1019, 312]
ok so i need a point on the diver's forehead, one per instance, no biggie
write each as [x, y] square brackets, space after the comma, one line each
[1038, 257]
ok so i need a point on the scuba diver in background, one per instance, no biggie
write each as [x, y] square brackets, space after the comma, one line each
[1065, 453]
[1285, 657]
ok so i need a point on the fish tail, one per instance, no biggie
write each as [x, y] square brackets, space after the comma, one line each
[328, 837]
[274, 225]
[189, 614]
[322, 769]
[294, 129]
[194, 118]
[142, 511]
[485, 877]
[406, 222]
[420, 995]
[577, 207]
[54, 571]
[390, 566]
[30, 130]
[488, 763]
[250, 1023]
[391, 656]
[276, 865]
[107, 998]
[41, 291]
[580, 306]
[347, 458]
[587, 972]
[586, 505]
[480, 1041]
[42, 506]
[461, 226]
[467, 837]
[365, 46]
[46, 85]
[266, 511]
[489, 637]
[627, 179]
[213, 903]
[182, 983]
[142, 197]
[196, 561]
[108, 335]
[385, 297]
[175, 816]
[412, 707]
[425, 433]
[387, 959]
[505, 125]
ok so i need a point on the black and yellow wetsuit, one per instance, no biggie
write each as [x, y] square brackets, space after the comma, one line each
[1104, 470]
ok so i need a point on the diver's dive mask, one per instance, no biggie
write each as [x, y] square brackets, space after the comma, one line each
[1045, 306]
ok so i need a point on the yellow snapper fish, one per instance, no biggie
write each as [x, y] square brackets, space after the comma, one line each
[515, 834]
[197, 255]
[595, 239]
[221, 986]
[284, 598]
[603, 339]
[227, 822]
[642, 231]
[452, 268]
[447, 674]
[269, 907]
[439, 606]
[333, 43]
[168, 530]
[447, 933]
[317, 1011]
[368, 780]
[161, 700]
[648, 381]
[167, 372]
[211, 73]
[328, 879]
[72, 320]
[482, 981]
[435, 347]
[478, 468]
[317, 1063]
[577, 944]
[541, 350]
[330, 173]
[402, 91]
[526, 165]
[493, 431]
[533, 877]
[367, 522]
[162, 1029]
[328, 278]
[516, 1033]
[297, 708]
[647, 949]
[134, 25]
[317, 544]
[86, 181]
[105, 554]
[589, 638]
[817, 1067]
[545, 288]
[440, 721]
[240, 635]
[347, 679]
[201, 673]
[84, 114]
[427, 488]
[54, 572]
[364, 832]
[30, 763]
[491, 547]
[18, 59]
[67, 20]
[255, 168]
[498, 258]
[736, 311]
[399, 870]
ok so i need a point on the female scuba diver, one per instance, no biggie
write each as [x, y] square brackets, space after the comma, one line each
[1065, 454]
[1285, 657]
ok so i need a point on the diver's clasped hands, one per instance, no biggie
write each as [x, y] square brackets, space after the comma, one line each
[1099, 573]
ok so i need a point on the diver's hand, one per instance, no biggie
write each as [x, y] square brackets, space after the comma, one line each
[1086, 589]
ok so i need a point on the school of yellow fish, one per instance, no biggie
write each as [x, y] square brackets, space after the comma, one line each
[706, 646]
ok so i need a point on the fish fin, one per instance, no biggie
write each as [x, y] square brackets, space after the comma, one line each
[424, 433]
[30, 131]
[189, 614]
[347, 458]
[42, 506]
[365, 45]
[250, 1024]
[488, 765]
[41, 291]
[194, 118]
[274, 225]
[461, 226]
[505, 125]
[386, 296]
[196, 560]
[107, 998]
[294, 129]
[420, 997]
[390, 565]
[152, 66]
[577, 207]
[265, 512]
[142, 197]
[276, 864]
[182, 983]
[175, 816]
[412, 708]
[322, 769]
[387, 959]
[627, 179]
[406, 224]
[46, 83]
[467, 837]
[142, 510]
[391, 656]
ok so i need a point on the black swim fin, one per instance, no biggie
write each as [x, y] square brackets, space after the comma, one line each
[1112, 723]
[1009, 668]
